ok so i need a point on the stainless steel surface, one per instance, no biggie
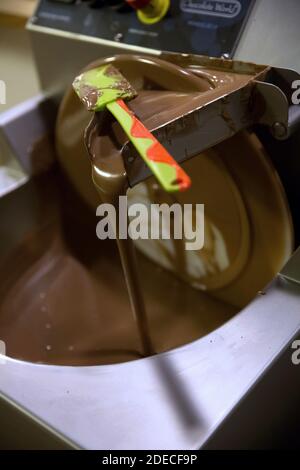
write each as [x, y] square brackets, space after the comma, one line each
[22, 430]
[275, 397]
[32, 122]
[275, 114]
[291, 271]
[281, 115]
[271, 35]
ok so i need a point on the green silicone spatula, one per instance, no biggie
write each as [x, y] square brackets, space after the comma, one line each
[105, 87]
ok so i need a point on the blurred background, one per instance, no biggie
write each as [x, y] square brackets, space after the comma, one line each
[15, 51]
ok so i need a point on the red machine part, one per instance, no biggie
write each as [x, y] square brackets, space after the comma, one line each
[138, 4]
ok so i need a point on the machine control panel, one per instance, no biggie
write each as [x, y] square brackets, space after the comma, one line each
[209, 27]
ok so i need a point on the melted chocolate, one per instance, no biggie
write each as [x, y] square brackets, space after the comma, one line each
[64, 299]
[63, 295]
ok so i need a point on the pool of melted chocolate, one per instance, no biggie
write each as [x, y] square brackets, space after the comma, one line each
[64, 298]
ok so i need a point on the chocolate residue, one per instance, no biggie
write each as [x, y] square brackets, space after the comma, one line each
[89, 96]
